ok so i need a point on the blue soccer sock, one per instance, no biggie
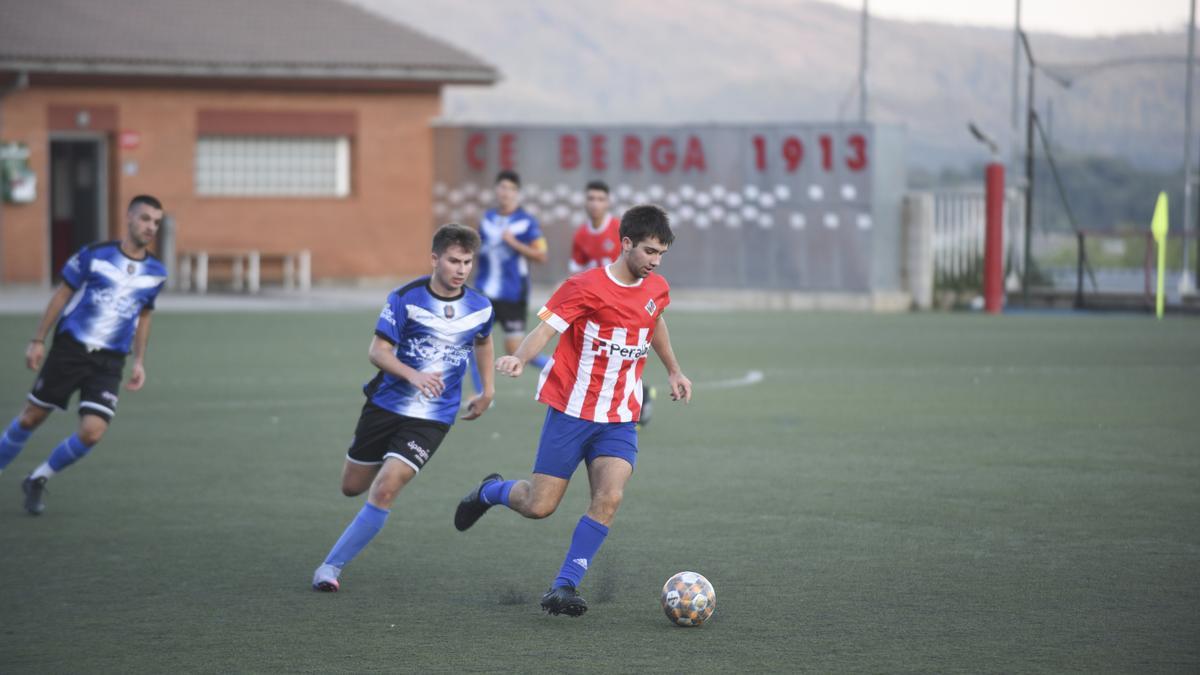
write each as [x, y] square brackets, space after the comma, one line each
[358, 534]
[12, 441]
[68, 452]
[540, 361]
[496, 492]
[589, 536]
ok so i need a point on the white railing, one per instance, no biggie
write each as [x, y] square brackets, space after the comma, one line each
[944, 239]
[959, 223]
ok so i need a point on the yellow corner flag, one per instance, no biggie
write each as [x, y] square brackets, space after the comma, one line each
[1158, 227]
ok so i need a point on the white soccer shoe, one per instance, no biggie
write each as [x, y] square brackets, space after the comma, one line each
[326, 579]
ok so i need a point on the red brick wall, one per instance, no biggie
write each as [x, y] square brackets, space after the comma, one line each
[381, 230]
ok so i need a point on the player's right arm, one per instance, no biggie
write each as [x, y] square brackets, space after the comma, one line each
[37, 346]
[531, 346]
[579, 260]
[382, 355]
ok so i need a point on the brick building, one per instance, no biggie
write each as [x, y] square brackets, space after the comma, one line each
[276, 125]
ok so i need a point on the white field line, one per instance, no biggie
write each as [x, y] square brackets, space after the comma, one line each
[751, 378]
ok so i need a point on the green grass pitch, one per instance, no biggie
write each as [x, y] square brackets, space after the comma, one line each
[899, 493]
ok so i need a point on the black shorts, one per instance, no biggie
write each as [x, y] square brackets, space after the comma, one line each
[71, 366]
[510, 314]
[382, 433]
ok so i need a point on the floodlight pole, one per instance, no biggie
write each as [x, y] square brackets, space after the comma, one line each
[1185, 279]
[862, 64]
[1030, 114]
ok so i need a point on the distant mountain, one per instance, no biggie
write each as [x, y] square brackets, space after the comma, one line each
[674, 61]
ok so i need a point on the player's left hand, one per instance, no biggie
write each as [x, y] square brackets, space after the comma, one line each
[681, 387]
[137, 377]
[509, 238]
[477, 406]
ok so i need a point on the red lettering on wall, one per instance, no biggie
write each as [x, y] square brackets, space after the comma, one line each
[693, 156]
[662, 154]
[568, 152]
[475, 156]
[599, 153]
[760, 153]
[508, 151]
[632, 154]
[858, 160]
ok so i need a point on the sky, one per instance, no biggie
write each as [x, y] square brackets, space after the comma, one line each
[1072, 17]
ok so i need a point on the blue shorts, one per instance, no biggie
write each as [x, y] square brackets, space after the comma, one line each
[567, 440]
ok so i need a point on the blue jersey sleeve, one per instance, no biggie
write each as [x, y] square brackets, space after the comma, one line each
[75, 271]
[486, 328]
[531, 233]
[391, 320]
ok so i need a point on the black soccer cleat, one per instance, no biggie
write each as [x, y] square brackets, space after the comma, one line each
[564, 600]
[34, 489]
[472, 506]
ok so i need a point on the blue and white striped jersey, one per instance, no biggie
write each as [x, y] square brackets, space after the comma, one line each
[504, 273]
[432, 334]
[111, 289]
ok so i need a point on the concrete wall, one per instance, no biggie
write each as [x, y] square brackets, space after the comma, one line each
[380, 231]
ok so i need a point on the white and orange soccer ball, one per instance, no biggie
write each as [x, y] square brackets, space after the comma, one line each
[688, 599]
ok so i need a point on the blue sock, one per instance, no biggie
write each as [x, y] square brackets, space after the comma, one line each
[358, 534]
[586, 541]
[496, 492]
[540, 361]
[67, 453]
[12, 441]
[474, 368]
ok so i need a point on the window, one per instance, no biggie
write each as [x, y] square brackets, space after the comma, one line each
[273, 166]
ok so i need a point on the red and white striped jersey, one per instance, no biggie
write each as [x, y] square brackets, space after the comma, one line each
[606, 327]
[595, 248]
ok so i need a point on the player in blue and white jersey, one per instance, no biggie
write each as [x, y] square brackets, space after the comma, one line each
[422, 341]
[510, 238]
[103, 311]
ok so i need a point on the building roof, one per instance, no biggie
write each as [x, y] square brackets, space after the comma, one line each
[288, 39]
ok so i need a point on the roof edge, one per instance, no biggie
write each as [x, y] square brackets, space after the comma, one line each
[236, 71]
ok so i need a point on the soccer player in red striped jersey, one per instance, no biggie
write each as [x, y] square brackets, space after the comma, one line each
[608, 319]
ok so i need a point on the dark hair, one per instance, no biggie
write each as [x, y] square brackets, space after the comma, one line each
[596, 185]
[645, 221]
[152, 202]
[508, 175]
[453, 234]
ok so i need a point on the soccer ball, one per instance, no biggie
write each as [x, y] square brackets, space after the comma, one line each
[688, 599]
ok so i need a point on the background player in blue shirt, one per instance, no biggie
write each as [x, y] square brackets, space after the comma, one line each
[105, 300]
[510, 237]
[422, 341]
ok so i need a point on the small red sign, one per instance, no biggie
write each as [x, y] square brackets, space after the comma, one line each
[129, 140]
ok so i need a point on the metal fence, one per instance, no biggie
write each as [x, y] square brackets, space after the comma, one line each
[959, 221]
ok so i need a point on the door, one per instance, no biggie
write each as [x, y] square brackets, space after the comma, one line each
[79, 189]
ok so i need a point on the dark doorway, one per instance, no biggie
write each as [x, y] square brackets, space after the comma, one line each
[78, 195]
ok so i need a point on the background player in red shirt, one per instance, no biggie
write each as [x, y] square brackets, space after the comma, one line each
[597, 243]
[608, 319]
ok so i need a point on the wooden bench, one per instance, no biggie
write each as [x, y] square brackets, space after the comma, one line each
[245, 268]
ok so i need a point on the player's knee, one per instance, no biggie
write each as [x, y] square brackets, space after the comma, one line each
[351, 490]
[541, 509]
[90, 435]
[607, 502]
[32, 417]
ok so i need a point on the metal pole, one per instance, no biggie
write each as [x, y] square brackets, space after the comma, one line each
[862, 65]
[1016, 75]
[1029, 116]
[1185, 280]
